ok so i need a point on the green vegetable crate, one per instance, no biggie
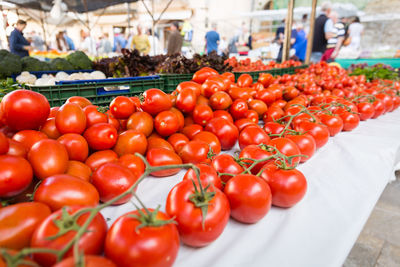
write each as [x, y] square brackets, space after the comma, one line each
[171, 81]
[274, 72]
[99, 93]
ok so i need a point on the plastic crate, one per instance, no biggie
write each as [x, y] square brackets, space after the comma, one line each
[99, 93]
[171, 81]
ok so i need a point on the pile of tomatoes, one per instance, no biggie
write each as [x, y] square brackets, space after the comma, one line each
[258, 65]
[56, 162]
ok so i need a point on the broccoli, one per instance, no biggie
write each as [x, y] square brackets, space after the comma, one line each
[9, 64]
[3, 53]
[60, 64]
[33, 64]
[80, 61]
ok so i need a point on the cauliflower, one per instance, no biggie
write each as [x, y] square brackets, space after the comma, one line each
[98, 75]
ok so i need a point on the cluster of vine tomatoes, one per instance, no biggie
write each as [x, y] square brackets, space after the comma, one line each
[248, 65]
[78, 155]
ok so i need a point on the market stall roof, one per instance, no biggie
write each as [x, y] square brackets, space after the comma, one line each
[79, 6]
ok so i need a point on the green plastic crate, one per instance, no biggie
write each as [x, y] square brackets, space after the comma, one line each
[99, 93]
[171, 81]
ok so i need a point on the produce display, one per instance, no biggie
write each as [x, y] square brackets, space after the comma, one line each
[248, 65]
[75, 160]
[374, 72]
[49, 79]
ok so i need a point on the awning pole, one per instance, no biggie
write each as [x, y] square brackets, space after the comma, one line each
[311, 33]
[288, 32]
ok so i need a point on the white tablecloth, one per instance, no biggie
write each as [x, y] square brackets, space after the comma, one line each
[345, 179]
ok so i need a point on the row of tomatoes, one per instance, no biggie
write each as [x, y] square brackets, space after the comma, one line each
[83, 156]
[248, 65]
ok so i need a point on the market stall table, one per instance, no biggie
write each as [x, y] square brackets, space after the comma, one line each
[345, 179]
[345, 63]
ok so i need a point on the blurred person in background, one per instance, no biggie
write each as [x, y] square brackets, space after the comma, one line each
[187, 31]
[322, 27]
[355, 31]
[154, 43]
[212, 39]
[306, 23]
[70, 43]
[60, 44]
[174, 40]
[18, 44]
[88, 45]
[223, 47]
[280, 37]
[37, 41]
[335, 38]
[140, 42]
[105, 46]
[300, 45]
[119, 40]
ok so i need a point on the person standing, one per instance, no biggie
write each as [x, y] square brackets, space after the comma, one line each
[18, 44]
[70, 43]
[88, 44]
[154, 43]
[141, 42]
[105, 45]
[335, 40]
[280, 37]
[37, 41]
[60, 43]
[300, 45]
[354, 32]
[175, 40]
[321, 27]
[119, 40]
[212, 39]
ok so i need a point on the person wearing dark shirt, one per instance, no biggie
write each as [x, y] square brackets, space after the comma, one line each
[212, 39]
[280, 37]
[322, 28]
[18, 44]
[175, 40]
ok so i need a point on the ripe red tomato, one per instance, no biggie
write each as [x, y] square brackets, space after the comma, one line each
[212, 85]
[350, 121]
[191, 85]
[189, 217]
[24, 109]
[266, 95]
[208, 175]
[178, 140]
[15, 175]
[49, 128]
[93, 116]
[273, 114]
[122, 107]
[319, 132]
[91, 242]
[101, 136]
[162, 157]
[99, 158]
[62, 190]
[141, 122]
[379, 108]
[191, 130]
[4, 144]
[70, 118]
[16, 149]
[288, 148]
[211, 139]
[130, 142]
[77, 146]
[79, 170]
[252, 135]
[288, 187]
[239, 109]
[158, 142]
[243, 123]
[258, 106]
[223, 114]
[89, 261]
[244, 80]
[202, 114]
[387, 101]
[127, 244]
[220, 100]
[53, 112]
[256, 153]
[225, 163]
[133, 163]
[18, 221]
[155, 101]
[273, 128]
[29, 137]
[249, 198]
[81, 101]
[48, 157]
[186, 100]
[166, 123]
[333, 122]
[113, 179]
[201, 75]
[195, 152]
[366, 110]
[305, 143]
[226, 132]
[179, 115]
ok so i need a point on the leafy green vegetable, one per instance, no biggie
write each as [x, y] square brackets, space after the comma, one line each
[80, 61]
[7, 86]
[378, 71]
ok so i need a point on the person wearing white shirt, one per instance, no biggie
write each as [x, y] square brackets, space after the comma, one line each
[88, 44]
[355, 31]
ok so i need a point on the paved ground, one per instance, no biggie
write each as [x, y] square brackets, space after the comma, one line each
[379, 242]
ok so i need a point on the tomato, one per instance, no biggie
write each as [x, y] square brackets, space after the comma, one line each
[155, 101]
[81, 101]
[91, 241]
[49, 128]
[350, 121]
[89, 261]
[179, 115]
[265, 79]
[226, 132]
[141, 122]
[189, 85]
[273, 114]
[244, 80]
[249, 198]
[166, 123]
[252, 135]
[290, 93]
[24, 109]
[111, 180]
[319, 132]
[288, 148]
[101, 136]
[188, 120]
[158, 142]
[258, 106]
[93, 116]
[208, 175]
[223, 114]
[70, 118]
[273, 128]
[202, 100]
[186, 100]
[48, 157]
[387, 101]
[130, 244]
[79, 170]
[209, 138]
[201, 75]
[225, 163]
[266, 95]
[136, 102]
[243, 123]
[228, 75]
[191, 130]
[366, 110]
[99, 158]
[189, 217]
[16, 149]
[178, 140]
[333, 122]
[379, 108]
[239, 109]
[29, 137]
[212, 85]
[18, 221]
[77, 146]
[53, 112]
[133, 163]
[62, 190]
[202, 114]
[114, 122]
[4, 144]
[288, 187]
[305, 143]
[162, 157]
[195, 152]
[122, 107]
[220, 100]
[130, 142]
